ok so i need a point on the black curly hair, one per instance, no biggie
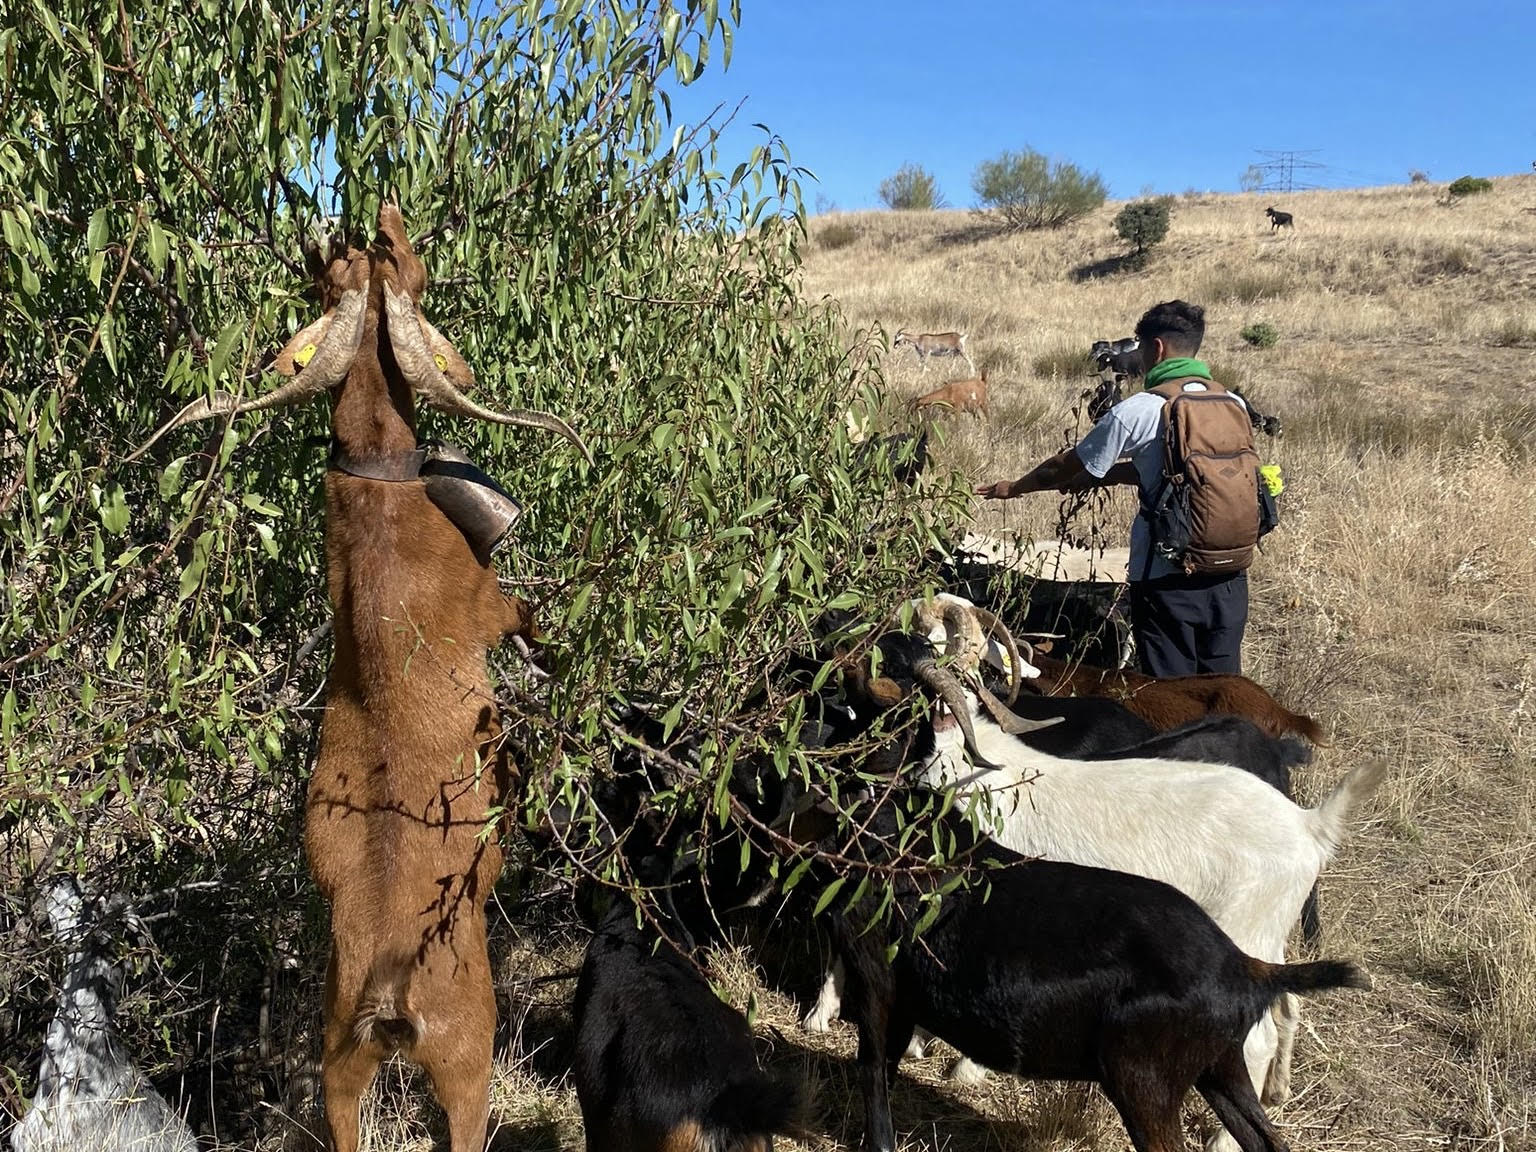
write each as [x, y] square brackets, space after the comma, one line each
[1178, 324]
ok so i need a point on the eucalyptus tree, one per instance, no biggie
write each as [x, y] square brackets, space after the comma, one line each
[162, 622]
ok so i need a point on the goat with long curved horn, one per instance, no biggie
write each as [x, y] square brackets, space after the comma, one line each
[334, 339]
[422, 373]
[996, 629]
[963, 636]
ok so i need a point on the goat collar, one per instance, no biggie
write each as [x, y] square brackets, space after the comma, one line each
[478, 506]
[396, 467]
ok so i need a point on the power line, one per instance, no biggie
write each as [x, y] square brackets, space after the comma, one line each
[1280, 167]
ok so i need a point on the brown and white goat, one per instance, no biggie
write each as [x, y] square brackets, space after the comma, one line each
[1177, 700]
[927, 344]
[958, 395]
[409, 769]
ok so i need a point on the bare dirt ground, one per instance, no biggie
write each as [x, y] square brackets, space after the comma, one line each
[1397, 602]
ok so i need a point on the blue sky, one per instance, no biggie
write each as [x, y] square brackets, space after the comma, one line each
[1172, 95]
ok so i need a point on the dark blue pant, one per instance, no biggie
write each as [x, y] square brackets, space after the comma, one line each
[1189, 624]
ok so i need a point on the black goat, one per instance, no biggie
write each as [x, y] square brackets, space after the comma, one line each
[662, 1065]
[1060, 972]
[1279, 220]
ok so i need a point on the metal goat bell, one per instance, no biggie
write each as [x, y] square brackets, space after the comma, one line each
[478, 506]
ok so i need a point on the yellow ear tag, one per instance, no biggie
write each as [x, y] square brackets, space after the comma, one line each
[440, 361]
[303, 355]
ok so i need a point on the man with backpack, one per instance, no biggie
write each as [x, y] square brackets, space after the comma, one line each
[1187, 445]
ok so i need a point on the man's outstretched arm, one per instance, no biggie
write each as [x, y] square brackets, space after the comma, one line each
[1064, 472]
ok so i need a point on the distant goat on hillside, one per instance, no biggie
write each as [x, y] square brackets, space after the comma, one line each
[959, 395]
[927, 344]
[1279, 220]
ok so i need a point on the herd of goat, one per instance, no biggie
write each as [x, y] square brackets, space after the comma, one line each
[1106, 867]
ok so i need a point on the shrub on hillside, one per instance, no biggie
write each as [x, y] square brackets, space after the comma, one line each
[912, 189]
[1513, 332]
[1142, 224]
[1468, 186]
[838, 234]
[1025, 189]
[1260, 335]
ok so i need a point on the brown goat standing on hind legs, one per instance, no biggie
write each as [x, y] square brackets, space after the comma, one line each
[408, 768]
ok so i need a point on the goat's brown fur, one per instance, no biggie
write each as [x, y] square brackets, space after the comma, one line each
[408, 768]
[1177, 700]
[960, 395]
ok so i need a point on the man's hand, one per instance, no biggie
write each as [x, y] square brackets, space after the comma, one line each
[1002, 490]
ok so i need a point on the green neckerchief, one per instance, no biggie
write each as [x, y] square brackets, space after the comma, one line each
[1176, 368]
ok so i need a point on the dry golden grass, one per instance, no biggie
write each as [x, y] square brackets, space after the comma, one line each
[1397, 602]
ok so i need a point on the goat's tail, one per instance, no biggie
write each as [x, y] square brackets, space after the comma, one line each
[758, 1106]
[384, 1012]
[1305, 726]
[1331, 817]
[1305, 979]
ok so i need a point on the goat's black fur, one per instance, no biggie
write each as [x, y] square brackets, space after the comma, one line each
[1056, 971]
[1279, 220]
[662, 1065]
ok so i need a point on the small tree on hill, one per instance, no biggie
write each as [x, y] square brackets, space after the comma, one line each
[912, 189]
[1143, 223]
[1469, 186]
[1027, 190]
[1252, 178]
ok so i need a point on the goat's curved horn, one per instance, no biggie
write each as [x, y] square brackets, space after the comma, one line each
[949, 690]
[422, 373]
[964, 638]
[1011, 722]
[326, 368]
[995, 628]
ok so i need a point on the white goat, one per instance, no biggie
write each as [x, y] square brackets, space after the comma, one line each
[1225, 838]
[89, 1094]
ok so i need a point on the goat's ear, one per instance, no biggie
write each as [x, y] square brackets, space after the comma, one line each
[447, 357]
[297, 352]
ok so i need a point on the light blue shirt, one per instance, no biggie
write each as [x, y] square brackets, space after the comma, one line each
[1134, 428]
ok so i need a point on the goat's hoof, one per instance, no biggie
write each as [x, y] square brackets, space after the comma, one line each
[917, 1048]
[1221, 1141]
[1277, 1091]
[967, 1071]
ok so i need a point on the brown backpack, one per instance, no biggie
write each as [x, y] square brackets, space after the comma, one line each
[1206, 514]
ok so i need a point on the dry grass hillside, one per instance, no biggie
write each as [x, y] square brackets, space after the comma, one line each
[1397, 602]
